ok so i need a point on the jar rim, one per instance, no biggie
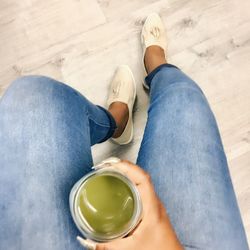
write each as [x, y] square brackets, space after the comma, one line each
[79, 221]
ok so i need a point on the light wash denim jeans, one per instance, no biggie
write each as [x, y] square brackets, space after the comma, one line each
[46, 132]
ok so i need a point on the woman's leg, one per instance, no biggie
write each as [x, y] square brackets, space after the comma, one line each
[182, 151]
[46, 130]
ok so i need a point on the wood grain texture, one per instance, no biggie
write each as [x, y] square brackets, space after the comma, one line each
[81, 42]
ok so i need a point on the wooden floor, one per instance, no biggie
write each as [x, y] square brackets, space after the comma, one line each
[81, 42]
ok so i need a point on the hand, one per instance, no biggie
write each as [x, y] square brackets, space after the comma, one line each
[155, 230]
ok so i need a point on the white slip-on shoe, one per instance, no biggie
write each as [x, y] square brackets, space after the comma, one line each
[153, 33]
[123, 89]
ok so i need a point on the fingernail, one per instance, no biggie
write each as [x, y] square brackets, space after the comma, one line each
[109, 161]
[88, 244]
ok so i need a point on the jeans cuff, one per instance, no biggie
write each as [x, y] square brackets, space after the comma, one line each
[112, 123]
[151, 75]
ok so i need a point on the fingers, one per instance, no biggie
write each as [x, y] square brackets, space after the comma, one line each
[152, 206]
[88, 244]
[121, 244]
[142, 181]
[135, 173]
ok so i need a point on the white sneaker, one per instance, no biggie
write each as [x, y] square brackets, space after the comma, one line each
[123, 89]
[153, 33]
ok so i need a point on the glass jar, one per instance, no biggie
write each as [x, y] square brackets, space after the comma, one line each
[82, 224]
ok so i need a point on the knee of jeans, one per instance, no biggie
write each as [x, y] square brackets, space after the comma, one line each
[180, 94]
[30, 82]
[29, 90]
[171, 78]
[184, 87]
[30, 85]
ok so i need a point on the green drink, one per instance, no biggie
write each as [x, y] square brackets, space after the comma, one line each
[106, 203]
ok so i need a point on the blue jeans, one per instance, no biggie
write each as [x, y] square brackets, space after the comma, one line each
[46, 132]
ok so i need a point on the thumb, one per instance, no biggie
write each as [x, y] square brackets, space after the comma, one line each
[121, 244]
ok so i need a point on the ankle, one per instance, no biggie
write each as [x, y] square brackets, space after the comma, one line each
[120, 113]
[154, 57]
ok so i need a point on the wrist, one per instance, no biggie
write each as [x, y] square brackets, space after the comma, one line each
[168, 236]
